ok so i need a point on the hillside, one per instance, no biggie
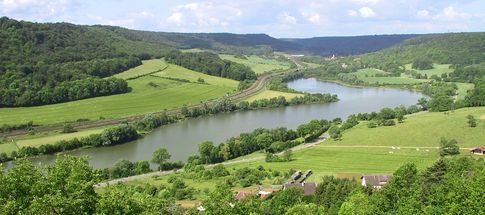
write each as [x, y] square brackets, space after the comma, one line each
[452, 48]
[349, 45]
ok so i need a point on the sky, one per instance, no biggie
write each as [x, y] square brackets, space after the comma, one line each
[278, 18]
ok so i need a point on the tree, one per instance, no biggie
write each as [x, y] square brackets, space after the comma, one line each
[287, 154]
[206, 150]
[449, 147]
[160, 156]
[422, 63]
[304, 209]
[472, 122]
[335, 132]
[357, 204]
[219, 201]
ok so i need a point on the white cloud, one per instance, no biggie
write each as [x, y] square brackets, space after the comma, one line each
[287, 19]
[176, 18]
[202, 15]
[422, 14]
[366, 12]
[450, 14]
[365, 2]
[35, 8]
[312, 17]
[352, 13]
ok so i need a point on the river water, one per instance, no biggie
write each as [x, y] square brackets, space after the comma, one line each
[182, 139]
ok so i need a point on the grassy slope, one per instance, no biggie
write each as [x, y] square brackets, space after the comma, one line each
[258, 64]
[437, 70]
[53, 138]
[370, 73]
[463, 89]
[143, 98]
[352, 154]
[268, 94]
[149, 66]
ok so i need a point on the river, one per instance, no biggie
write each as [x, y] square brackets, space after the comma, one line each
[182, 139]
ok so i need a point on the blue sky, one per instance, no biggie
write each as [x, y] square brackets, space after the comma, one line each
[283, 18]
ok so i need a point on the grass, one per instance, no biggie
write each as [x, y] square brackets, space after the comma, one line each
[463, 89]
[368, 76]
[174, 71]
[438, 69]
[268, 94]
[333, 161]
[384, 149]
[258, 64]
[53, 138]
[422, 130]
[8, 147]
[149, 94]
[149, 66]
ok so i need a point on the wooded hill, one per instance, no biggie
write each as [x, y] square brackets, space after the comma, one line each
[452, 48]
[343, 46]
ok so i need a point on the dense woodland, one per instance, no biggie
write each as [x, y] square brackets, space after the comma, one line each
[211, 64]
[52, 63]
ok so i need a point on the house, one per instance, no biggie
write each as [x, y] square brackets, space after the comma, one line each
[309, 188]
[478, 151]
[376, 181]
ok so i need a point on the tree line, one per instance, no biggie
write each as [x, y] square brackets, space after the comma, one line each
[110, 136]
[211, 64]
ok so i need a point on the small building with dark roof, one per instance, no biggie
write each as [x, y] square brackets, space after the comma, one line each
[376, 181]
[478, 151]
[309, 188]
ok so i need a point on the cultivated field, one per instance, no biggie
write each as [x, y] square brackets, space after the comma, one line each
[268, 94]
[149, 94]
[258, 64]
[148, 67]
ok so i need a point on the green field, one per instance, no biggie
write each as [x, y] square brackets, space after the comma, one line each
[258, 64]
[268, 94]
[368, 76]
[463, 89]
[149, 94]
[8, 147]
[421, 130]
[438, 69]
[148, 67]
[53, 138]
[366, 150]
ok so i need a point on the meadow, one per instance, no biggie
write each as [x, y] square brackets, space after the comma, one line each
[50, 138]
[149, 94]
[438, 69]
[259, 64]
[268, 94]
[369, 76]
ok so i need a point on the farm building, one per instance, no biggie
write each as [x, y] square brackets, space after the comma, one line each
[309, 188]
[478, 151]
[376, 181]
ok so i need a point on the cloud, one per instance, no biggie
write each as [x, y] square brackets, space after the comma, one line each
[449, 13]
[365, 2]
[38, 10]
[422, 14]
[366, 12]
[176, 18]
[312, 17]
[202, 15]
[287, 19]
